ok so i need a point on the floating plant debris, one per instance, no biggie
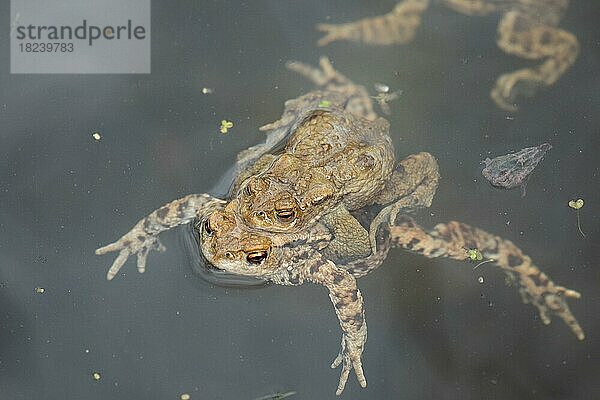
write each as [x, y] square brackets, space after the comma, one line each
[97, 136]
[384, 96]
[381, 87]
[576, 205]
[475, 255]
[39, 290]
[276, 396]
[512, 170]
[225, 126]
[96, 375]
[325, 103]
[383, 99]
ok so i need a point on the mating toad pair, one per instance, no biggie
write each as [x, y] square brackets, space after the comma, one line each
[322, 201]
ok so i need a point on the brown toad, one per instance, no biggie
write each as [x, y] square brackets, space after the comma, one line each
[528, 29]
[298, 262]
[330, 157]
[332, 161]
[305, 256]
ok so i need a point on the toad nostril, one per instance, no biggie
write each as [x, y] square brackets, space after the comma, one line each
[261, 214]
[257, 257]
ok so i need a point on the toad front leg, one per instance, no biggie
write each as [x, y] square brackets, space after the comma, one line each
[143, 237]
[454, 238]
[348, 303]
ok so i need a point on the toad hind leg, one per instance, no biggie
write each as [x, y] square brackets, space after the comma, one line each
[397, 26]
[471, 7]
[333, 87]
[356, 97]
[143, 237]
[519, 35]
[412, 186]
[452, 239]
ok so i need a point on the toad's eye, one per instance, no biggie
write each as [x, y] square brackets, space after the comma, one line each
[286, 215]
[257, 257]
[261, 214]
[207, 228]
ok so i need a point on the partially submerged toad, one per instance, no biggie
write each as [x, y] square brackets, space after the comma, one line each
[528, 29]
[328, 247]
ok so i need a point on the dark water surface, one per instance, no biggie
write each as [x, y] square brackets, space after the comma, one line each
[435, 332]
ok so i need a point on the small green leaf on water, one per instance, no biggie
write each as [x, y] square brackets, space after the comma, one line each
[96, 375]
[474, 255]
[225, 126]
[576, 204]
[39, 290]
[325, 103]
